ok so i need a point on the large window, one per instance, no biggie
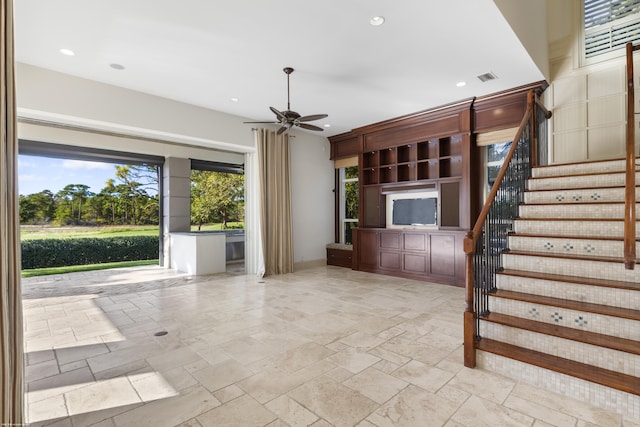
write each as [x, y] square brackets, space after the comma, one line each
[609, 25]
[217, 196]
[347, 202]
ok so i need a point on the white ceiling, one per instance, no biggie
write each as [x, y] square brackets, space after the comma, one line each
[205, 52]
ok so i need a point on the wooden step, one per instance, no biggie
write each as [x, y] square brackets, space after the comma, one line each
[573, 279]
[623, 313]
[605, 377]
[600, 340]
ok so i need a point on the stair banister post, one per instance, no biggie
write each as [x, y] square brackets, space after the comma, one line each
[630, 175]
[469, 314]
[531, 103]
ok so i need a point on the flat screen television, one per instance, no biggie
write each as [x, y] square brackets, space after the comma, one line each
[417, 209]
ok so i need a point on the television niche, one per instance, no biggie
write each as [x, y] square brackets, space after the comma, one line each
[412, 209]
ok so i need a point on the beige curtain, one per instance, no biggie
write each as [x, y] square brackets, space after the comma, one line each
[11, 353]
[275, 199]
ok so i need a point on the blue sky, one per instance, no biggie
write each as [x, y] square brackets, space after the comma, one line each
[42, 173]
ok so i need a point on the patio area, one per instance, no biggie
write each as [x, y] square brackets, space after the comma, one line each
[324, 346]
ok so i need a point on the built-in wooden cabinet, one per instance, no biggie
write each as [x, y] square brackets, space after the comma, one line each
[434, 150]
[425, 160]
[435, 256]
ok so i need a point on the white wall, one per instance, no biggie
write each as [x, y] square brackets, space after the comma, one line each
[312, 182]
[588, 101]
[160, 126]
[528, 20]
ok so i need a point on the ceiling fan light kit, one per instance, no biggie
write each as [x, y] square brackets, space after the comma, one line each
[288, 118]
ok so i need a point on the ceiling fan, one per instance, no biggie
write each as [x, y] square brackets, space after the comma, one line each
[288, 118]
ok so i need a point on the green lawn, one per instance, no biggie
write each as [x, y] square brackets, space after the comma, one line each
[88, 267]
[31, 233]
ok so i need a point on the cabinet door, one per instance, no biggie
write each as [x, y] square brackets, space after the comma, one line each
[367, 248]
[373, 215]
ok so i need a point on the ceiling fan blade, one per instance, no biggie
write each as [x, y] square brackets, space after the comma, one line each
[309, 127]
[278, 114]
[282, 130]
[312, 117]
[262, 122]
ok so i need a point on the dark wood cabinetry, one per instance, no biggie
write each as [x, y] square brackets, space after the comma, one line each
[340, 257]
[436, 256]
[428, 151]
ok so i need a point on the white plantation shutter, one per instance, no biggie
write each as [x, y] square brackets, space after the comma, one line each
[610, 24]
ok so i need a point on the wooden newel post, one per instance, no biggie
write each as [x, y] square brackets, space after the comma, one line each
[531, 103]
[469, 315]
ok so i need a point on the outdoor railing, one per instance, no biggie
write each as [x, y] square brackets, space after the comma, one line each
[488, 240]
[630, 174]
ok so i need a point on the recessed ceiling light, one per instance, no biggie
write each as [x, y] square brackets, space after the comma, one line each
[67, 52]
[118, 67]
[327, 125]
[235, 99]
[376, 21]
[461, 84]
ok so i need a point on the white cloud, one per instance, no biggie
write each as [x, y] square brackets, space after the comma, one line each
[22, 163]
[81, 164]
[31, 178]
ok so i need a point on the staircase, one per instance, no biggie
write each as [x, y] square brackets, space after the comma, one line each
[566, 313]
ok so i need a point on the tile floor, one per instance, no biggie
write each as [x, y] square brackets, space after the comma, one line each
[324, 346]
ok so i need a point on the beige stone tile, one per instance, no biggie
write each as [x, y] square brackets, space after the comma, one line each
[243, 411]
[453, 394]
[174, 358]
[58, 384]
[152, 386]
[41, 370]
[362, 340]
[81, 350]
[296, 358]
[73, 366]
[122, 357]
[193, 422]
[441, 340]
[413, 407]
[221, 375]
[628, 422]
[390, 356]
[228, 393]
[478, 412]
[569, 406]
[291, 412]
[365, 423]
[35, 357]
[170, 412]
[393, 332]
[415, 350]
[337, 404]
[489, 386]
[428, 377]
[101, 395]
[321, 423]
[376, 385]
[339, 374]
[540, 412]
[269, 384]
[354, 360]
[47, 409]
[386, 366]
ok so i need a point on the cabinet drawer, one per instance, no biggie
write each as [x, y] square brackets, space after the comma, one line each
[339, 258]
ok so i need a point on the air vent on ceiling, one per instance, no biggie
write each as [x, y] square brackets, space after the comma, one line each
[486, 77]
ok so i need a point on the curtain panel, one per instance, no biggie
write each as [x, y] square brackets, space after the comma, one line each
[11, 351]
[275, 201]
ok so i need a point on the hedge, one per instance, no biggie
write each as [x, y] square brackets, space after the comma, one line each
[63, 252]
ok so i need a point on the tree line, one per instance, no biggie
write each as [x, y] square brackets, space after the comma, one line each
[131, 198]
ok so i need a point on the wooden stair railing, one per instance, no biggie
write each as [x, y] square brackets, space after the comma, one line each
[630, 175]
[472, 237]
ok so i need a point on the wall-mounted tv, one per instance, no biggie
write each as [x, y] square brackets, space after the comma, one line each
[417, 209]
